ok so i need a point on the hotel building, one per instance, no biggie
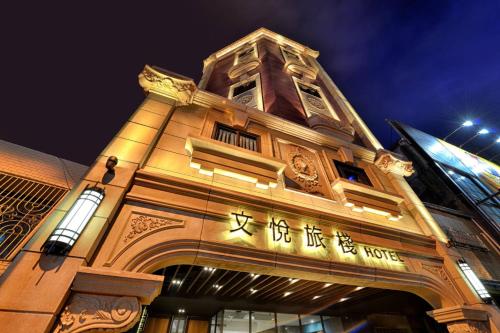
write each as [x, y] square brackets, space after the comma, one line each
[254, 201]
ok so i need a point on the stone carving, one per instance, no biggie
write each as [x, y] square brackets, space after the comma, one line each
[245, 99]
[467, 326]
[439, 271]
[180, 89]
[303, 169]
[143, 224]
[386, 162]
[317, 103]
[98, 313]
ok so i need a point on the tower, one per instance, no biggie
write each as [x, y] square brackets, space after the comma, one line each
[261, 185]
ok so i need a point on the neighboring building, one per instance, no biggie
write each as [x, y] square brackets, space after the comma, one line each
[461, 191]
[257, 201]
[31, 184]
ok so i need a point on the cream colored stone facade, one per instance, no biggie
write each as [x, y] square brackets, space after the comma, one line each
[173, 198]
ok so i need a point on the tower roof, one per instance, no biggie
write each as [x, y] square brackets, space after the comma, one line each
[259, 34]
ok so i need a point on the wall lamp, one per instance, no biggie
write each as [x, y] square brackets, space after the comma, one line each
[71, 226]
[474, 280]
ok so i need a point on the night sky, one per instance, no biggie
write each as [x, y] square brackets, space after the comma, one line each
[70, 71]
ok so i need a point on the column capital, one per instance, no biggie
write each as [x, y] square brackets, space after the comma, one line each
[390, 162]
[168, 84]
[462, 319]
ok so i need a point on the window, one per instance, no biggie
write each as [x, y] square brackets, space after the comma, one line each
[352, 173]
[309, 90]
[311, 324]
[23, 204]
[288, 323]
[236, 321]
[313, 100]
[245, 55]
[244, 88]
[247, 92]
[290, 55]
[263, 322]
[236, 138]
[178, 324]
[472, 187]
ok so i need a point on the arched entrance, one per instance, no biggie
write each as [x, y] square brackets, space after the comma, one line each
[202, 299]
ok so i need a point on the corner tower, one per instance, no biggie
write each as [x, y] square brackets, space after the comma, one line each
[274, 74]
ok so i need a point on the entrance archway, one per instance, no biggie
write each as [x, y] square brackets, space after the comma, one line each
[202, 299]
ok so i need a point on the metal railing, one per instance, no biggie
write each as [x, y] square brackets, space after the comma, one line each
[23, 204]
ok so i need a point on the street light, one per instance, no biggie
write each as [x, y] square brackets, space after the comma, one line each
[466, 123]
[488, 146]
[480, 132]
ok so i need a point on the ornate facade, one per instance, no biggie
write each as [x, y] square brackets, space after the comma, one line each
[260, 185]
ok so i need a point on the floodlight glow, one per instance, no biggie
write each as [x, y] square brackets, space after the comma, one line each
[71, 226]
[498, 139]
[483, 131]
[467, 123]
[474, 280]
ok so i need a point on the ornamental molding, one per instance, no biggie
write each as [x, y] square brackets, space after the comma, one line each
[142, 225]
[298, 67]
[315, 102]
[468, 326]
[387, 162]
[243, 67]
[98, 313]
[438, 271]
[180, 89]
[303, 169]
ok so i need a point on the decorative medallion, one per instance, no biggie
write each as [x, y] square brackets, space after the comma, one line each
[317, 103]
[144, 224]
[303, 168]
[245, 99]
[87, 312]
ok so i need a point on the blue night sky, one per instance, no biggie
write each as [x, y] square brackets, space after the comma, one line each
[70, 73]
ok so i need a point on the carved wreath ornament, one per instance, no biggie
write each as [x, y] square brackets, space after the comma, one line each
[303, 168]
[245, 99]
[99, 312]
[318, 104]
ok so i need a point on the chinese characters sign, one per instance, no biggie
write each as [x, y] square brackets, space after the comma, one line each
[313, 238]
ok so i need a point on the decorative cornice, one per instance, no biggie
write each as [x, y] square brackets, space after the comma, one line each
[458, 313]
[264, 33]
[90, 313]
[207, 99]
[301, 69]
[143, 286]
[242, 68]
[170, 86]
[387, 162]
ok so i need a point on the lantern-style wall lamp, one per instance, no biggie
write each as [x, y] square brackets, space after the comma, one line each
[474, 280]
[71, 226]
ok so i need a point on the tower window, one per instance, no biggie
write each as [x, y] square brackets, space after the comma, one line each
[313, 100]
[244, 88]
[236, 137]
[291, 55]
[309, 90]
[245, 55]
[248, 92]
[352, 173]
